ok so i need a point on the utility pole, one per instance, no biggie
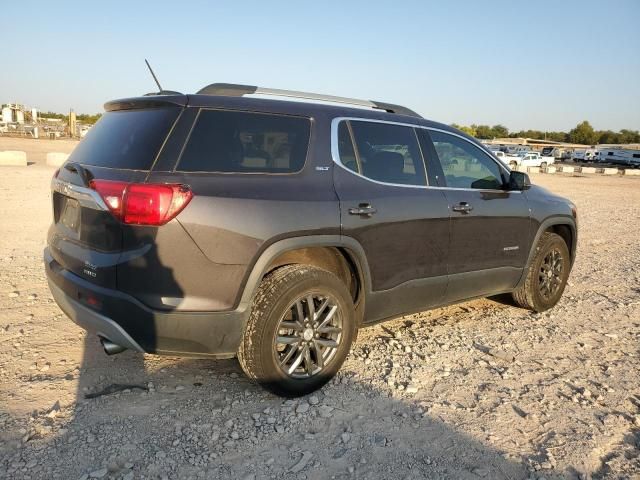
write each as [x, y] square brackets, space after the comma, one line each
[72, 123]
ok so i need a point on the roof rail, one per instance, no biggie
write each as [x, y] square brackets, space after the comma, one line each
[235, 90]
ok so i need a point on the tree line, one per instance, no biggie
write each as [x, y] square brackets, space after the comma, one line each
[80, 117]
[583, 133]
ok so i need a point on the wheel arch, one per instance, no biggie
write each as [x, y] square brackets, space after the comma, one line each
[563, 225]
[343, 256]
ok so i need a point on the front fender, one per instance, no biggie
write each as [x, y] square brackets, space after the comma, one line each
[543, 227]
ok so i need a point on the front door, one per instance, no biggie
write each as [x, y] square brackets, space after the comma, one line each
[489, 224]
[386, 205]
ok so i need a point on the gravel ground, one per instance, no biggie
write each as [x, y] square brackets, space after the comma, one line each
[417, 398]
[37, 149]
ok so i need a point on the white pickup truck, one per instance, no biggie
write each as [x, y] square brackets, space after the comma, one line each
[529, 159]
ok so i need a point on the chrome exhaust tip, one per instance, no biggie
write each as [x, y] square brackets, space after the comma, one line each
[111, 348]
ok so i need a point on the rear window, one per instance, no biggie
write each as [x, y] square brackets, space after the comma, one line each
[242, 142]
[126, 139]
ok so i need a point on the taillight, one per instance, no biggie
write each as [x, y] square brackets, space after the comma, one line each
[143, 203]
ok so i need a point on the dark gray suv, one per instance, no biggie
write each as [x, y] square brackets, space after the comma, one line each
[223, 224]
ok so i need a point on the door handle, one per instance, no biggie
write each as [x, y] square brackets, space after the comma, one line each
[364, 210]
[462, 207]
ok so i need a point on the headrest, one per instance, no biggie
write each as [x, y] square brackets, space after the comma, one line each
[384, 166]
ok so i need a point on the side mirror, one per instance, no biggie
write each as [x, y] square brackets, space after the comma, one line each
[519, 181]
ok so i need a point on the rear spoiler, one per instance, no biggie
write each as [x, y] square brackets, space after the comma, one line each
[148, 101]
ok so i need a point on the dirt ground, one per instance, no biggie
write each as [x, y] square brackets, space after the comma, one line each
[37, 149]
[415, 399]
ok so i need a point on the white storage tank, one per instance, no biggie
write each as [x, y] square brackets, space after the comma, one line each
[6, 115]
[19, 116]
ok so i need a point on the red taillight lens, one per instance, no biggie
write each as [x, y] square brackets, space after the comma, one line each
[112, 193]
[143, 203]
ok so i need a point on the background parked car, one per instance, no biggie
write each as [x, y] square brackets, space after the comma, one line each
[529, 159]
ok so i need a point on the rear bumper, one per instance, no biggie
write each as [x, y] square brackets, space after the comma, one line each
[125, 321]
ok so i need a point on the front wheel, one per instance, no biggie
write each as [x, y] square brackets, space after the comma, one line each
[547, 274]
[299, 332]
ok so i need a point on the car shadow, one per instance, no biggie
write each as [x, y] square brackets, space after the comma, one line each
[205, 419]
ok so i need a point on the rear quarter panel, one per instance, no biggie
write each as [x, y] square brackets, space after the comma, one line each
[233, 218]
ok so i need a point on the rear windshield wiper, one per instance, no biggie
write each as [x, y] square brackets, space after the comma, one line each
[82, 172]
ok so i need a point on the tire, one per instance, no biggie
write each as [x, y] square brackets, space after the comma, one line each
[543, 165]
[283, 297]
[533, 294]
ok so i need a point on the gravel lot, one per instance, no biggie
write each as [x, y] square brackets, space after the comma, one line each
[37, 149]
[416, 398]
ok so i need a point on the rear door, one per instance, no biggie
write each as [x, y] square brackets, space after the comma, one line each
[85, 238]
[489, 224]
[387, 206]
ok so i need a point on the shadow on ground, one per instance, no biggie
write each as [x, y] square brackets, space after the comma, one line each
[204, 419]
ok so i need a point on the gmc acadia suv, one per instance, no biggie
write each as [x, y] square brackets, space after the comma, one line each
[225, 223]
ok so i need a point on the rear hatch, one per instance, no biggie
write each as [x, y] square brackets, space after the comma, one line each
[86, 238]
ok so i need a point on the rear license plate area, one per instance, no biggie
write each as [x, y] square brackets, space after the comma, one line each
[70, 214]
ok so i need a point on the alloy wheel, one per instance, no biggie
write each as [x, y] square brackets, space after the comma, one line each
[550, 275]
[308, 335]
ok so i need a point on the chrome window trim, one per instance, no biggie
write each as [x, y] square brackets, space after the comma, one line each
[86, 197]
[335, 154]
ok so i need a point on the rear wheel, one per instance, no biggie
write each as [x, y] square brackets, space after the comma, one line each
[547, 274]
[543, 165]
[299, 332]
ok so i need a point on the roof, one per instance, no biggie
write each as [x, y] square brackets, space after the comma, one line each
[233, 96]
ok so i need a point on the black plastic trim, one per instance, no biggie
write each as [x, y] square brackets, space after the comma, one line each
[200, 334]
[544, 226]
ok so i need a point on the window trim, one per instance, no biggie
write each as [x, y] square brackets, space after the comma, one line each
[359, 162]
[207, 109]
[335, 154]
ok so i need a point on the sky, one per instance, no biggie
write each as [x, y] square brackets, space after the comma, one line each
[544, 65]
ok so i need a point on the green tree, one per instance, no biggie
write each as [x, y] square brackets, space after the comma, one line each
[557, 136]
[468, 130]
[629, 136]
[500, 131]
[89, 119]
[482, 131]
[607, 136]
[583, 133]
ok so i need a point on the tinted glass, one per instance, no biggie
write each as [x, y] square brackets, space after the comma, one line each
[389, 153]
[128, 139]
[345, 148]
[464, 164]
[224, 141]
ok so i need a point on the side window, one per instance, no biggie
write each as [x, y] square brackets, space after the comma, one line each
[345, 148]
[242, 142]
[464, 164]
[388, 153]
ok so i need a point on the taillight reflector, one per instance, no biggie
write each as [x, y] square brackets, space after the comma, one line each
[143, 203]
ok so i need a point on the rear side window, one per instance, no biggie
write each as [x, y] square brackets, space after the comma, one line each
[126, 139]
[388, 153]
[242, 142]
